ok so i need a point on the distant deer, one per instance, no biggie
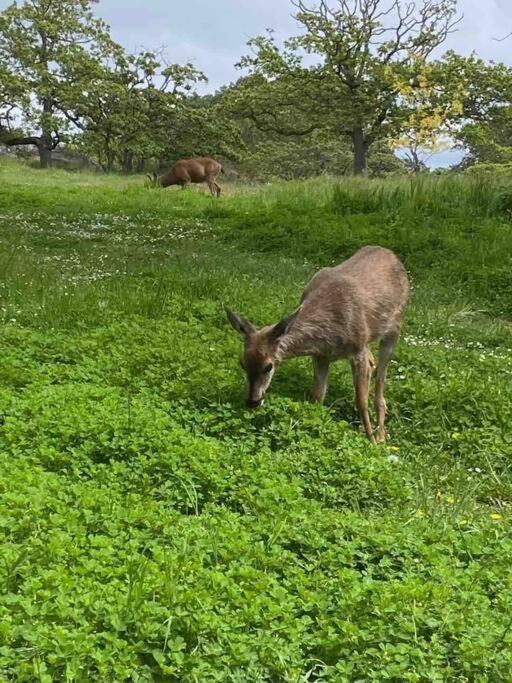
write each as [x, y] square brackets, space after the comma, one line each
[186, 171]
[342, 310]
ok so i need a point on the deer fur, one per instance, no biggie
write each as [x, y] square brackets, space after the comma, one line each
[186, 171]
[342, 310]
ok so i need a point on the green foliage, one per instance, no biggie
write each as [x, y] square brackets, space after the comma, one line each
[489, 141]
[271, 156]
[489, 169]
[485, 96]
[201, 126]
[60, 69]
[363, 57]
[152, 529]
[130, 112]
[40, 43]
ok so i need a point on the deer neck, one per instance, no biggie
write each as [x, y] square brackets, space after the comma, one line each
[300, 341]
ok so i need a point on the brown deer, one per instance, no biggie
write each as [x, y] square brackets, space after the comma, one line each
[186, 171]
[342, 310]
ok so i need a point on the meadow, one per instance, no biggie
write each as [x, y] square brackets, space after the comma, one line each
[153, 529]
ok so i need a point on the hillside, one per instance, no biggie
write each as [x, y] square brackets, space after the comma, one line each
[154, 530]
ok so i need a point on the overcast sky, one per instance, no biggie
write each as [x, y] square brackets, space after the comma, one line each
[213, 35]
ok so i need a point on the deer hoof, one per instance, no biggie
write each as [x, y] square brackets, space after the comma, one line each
[380, 435]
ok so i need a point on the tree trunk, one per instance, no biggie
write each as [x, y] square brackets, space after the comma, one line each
[44, 147]
[45, 152]
[109, 153]
[127, 161]
[360, 148]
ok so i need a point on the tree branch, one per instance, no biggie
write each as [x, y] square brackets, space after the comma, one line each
[500, 40]
[23, 141]
[275, 127]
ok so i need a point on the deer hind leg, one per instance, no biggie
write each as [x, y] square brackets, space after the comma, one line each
[212, 186]
[386, 348]
[217, 186]
[321, 370]
[371, 365]
[361, 373]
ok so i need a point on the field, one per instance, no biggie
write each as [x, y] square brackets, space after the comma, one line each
[152, 529]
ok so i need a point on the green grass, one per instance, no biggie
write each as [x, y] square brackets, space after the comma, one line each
[154, 530]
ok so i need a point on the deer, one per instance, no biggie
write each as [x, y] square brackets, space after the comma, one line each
[186, 171]
[342, 311]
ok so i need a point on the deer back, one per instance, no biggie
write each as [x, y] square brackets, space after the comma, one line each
[346, 307]
[195, 170]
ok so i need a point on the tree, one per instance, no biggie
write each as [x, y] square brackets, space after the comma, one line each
[136, 110]
[363, 51]
[267, 155]
[39, 42]
[489, 141]
[432, 103]
[203, 126]
[484, 121]
[128, 111]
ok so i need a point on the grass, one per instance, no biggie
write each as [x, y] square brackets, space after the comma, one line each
[154, 530]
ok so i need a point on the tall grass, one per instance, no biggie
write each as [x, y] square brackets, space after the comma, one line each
[478, 195]
[453, 232]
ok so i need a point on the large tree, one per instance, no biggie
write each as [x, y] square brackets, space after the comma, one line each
[130, 107]
[39, 42]
[482, 120]
[489, 141]
[360, 53]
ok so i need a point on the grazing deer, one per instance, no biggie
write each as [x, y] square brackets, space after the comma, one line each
[342, 310]
[186, 171]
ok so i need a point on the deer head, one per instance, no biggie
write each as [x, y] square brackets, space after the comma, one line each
[259, 358]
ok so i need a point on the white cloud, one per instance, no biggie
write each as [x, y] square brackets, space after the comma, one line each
[211, 35]
[214, 35]
[484, 23]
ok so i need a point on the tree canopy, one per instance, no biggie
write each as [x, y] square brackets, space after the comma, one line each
[365, 54]
[41, 41]
[361, 79]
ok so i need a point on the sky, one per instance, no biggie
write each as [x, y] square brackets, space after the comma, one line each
[213, 35]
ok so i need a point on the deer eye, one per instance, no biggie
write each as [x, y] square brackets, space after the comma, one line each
[267, 368]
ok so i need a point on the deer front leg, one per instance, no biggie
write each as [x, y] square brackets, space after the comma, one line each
[321, 370]
[361, 373]
[386, 348]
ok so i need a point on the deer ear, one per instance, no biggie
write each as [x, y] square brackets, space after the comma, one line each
[241, 325]
[284, 325]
